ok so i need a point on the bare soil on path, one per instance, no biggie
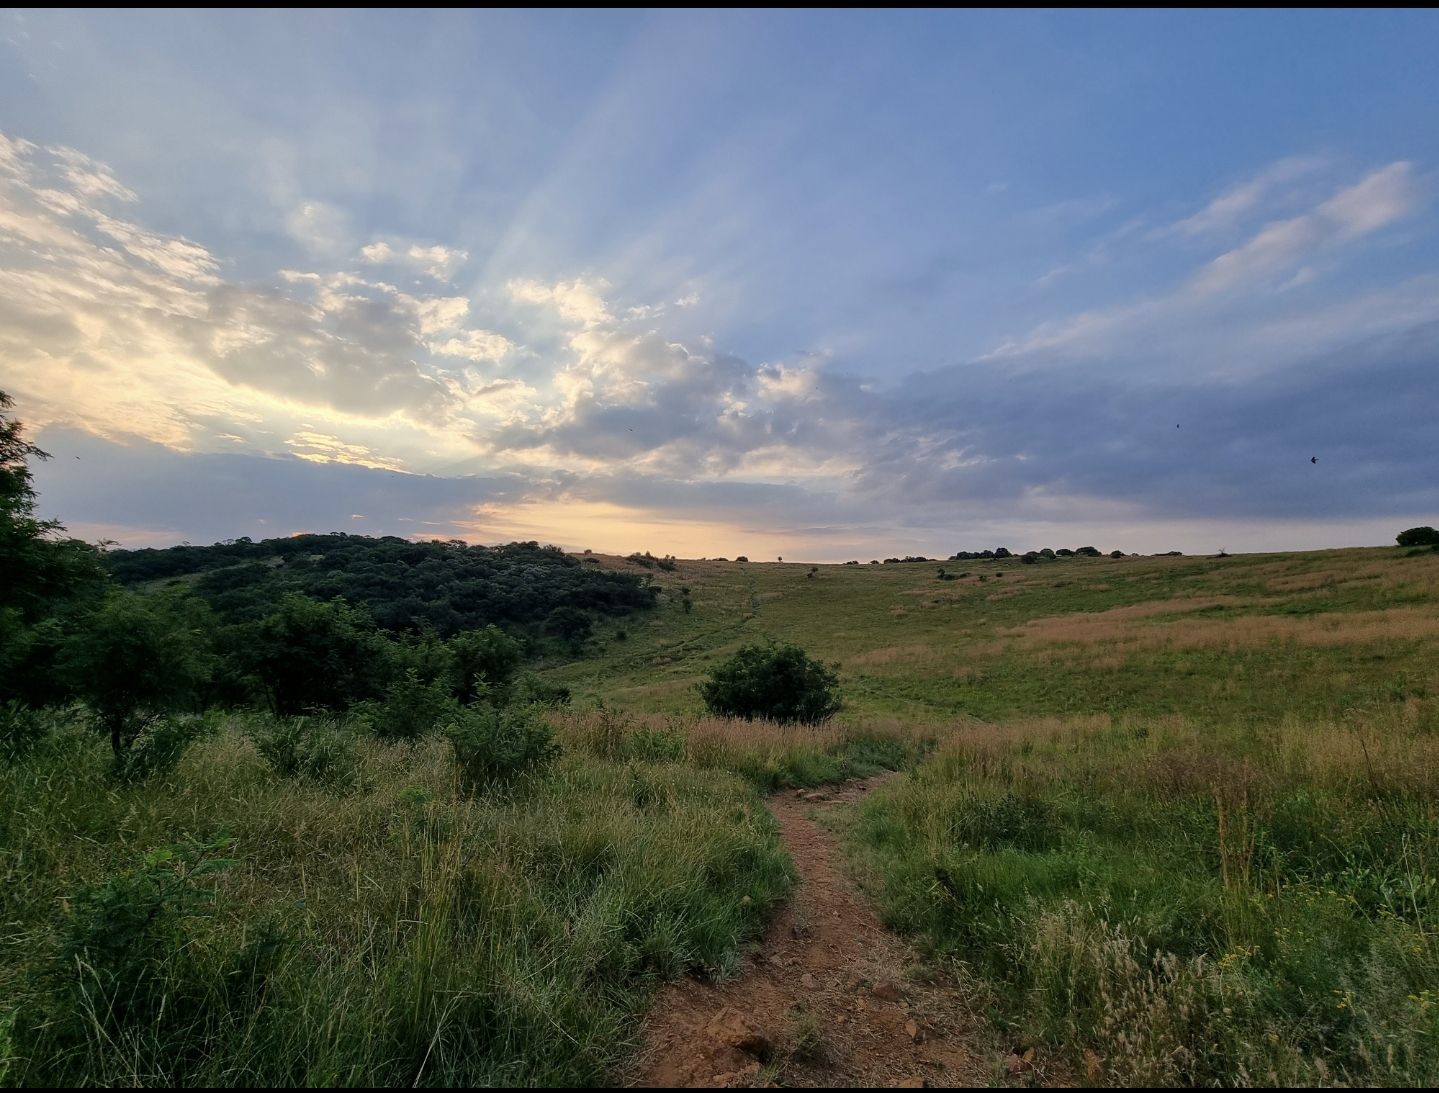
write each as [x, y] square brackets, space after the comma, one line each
[824, 1000]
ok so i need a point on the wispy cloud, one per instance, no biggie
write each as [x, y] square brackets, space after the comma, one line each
[1228, 209]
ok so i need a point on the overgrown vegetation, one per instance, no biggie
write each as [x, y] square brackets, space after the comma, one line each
[251, 919]
[1190, 907]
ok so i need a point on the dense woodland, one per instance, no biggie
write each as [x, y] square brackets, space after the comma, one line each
[447, 587]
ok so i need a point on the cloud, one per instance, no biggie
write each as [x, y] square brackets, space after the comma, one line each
[318, 226]
[130, 331]
[149, 494]
[578, 301]
[1226, 210]
[439, 262]
[1378, 200]
[475, 345]
[1213, 306]
[578, 409]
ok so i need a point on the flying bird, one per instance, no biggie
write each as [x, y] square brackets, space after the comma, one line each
[1314, 459]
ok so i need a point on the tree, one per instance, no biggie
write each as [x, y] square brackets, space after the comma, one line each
[1425, 536]
[135, 658]
[570, 624]
[42, 569]
[488, 655]
[776, 682]
[309, 654]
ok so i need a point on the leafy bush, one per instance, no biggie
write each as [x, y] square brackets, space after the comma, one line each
[657, 746]
[160, 745]
[1425, 536]
[410, 709]
[118, 948]
[21, 730]
[530, 690]
[777, 682]
[311, 654]
[496, 747]
[488, 655]
[308, 750]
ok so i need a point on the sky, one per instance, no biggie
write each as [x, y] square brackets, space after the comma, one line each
[821, 285]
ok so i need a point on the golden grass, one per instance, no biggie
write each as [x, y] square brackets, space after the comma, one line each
[1117, 627]
[917, 655]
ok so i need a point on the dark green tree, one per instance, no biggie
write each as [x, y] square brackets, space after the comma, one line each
[134, 659]
[40, 568]
[570, 624]
[488, 655]
[308, 654]
[776, 682]
[1425, 536]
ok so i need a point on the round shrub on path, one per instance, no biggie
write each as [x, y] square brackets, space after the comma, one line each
[774, 682]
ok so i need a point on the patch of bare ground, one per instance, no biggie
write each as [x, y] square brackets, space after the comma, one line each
[824, 1000]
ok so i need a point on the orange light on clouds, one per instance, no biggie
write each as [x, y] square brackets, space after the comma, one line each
[608, 527]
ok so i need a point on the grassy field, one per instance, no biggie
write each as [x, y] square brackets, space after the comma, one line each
[1172, 820]
[1182, 825]
[1250, 639]
[368, 923]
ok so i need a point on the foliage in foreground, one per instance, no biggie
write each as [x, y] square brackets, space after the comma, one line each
[1192, 908]
[239, 922]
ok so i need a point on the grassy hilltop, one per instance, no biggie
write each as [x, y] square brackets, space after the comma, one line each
[1250, 638]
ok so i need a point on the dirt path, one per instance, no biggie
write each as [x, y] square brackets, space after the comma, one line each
[824, 1001]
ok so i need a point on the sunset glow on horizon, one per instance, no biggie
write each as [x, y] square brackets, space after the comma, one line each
[827, 286]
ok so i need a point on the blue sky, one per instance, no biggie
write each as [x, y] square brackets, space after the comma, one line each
[822, 285]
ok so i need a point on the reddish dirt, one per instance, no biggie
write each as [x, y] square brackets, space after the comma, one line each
[824, 1000]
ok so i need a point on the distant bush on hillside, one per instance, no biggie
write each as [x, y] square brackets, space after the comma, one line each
[776, 683]
[1425, 536]
[649, 561]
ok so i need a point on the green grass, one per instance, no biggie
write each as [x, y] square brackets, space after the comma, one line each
[1180, 828]
[1188, 907]
[397, 933]
[915, 648]
[1172, 818]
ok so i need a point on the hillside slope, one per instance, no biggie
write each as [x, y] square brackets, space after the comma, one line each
[1255, 637]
